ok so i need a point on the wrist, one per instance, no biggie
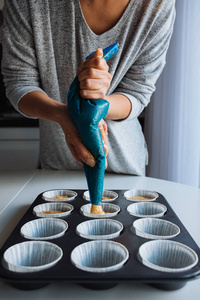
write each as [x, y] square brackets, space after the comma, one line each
[119, 108]
[39, 105]
[60, 113]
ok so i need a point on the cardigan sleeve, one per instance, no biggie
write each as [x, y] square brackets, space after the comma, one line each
[138, 84]
[19, 63]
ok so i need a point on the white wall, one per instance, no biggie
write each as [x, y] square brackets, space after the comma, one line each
[1, 4]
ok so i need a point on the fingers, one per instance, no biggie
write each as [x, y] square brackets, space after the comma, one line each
[104, 132]
[96, 60]
[79, 151]
[94, 77]
[95, 88]
[74, 142]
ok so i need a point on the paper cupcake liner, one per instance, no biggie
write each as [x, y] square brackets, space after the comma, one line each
[99, 256]
[167, 256]
[140, 195]
[108, 196]
[110, 210]
[31, 256]
[53, 210]
[152, 228]
[147, 209]
[99, 229]
[59, 195]
[44, 229]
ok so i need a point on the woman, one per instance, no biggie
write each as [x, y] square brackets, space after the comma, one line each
[44, 44]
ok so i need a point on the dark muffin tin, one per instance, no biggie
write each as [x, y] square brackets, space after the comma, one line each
[132, 271]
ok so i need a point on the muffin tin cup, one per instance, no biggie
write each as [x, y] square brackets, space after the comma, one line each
[99, 256]
[43, 210]
[31, 256]
[44, 229]
[110, 210]
[167, 256]
[59, 195]
[108, 196]
[152, 228]
[99, 229]
[140, 195]
[147, 209]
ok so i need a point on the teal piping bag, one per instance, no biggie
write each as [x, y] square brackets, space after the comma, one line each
[86, 114]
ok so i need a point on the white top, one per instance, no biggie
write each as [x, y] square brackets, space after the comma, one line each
[26, 185]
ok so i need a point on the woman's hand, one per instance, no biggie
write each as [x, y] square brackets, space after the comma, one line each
[74, 142]
[94, 81]
[37, 104]
[94, 77]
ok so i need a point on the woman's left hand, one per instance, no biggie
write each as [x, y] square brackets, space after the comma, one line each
[94, 77]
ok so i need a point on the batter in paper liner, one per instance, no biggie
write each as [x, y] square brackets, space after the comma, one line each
[97, 209]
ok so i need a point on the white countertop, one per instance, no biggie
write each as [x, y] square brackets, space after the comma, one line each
[19, 189]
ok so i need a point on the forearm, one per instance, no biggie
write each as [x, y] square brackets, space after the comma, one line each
[120, 107]
[39, 105]
[94, 80]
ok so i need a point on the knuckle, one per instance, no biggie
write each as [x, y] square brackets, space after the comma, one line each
[109, 76]
[90, 72]
[97, 60]
[87, 84]
[106, 67]
[107, 84]
[83, 94]
[101, 94]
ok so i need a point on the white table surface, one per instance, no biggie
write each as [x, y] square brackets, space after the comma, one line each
[19, 189]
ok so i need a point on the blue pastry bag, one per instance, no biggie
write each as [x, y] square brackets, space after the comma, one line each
[86, 114]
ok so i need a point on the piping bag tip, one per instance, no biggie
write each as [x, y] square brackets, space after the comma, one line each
[86, 114]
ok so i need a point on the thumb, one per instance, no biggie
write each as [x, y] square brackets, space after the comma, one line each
[98, 52]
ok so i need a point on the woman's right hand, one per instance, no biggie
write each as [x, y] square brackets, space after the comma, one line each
[74, 142]
[39, 105]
